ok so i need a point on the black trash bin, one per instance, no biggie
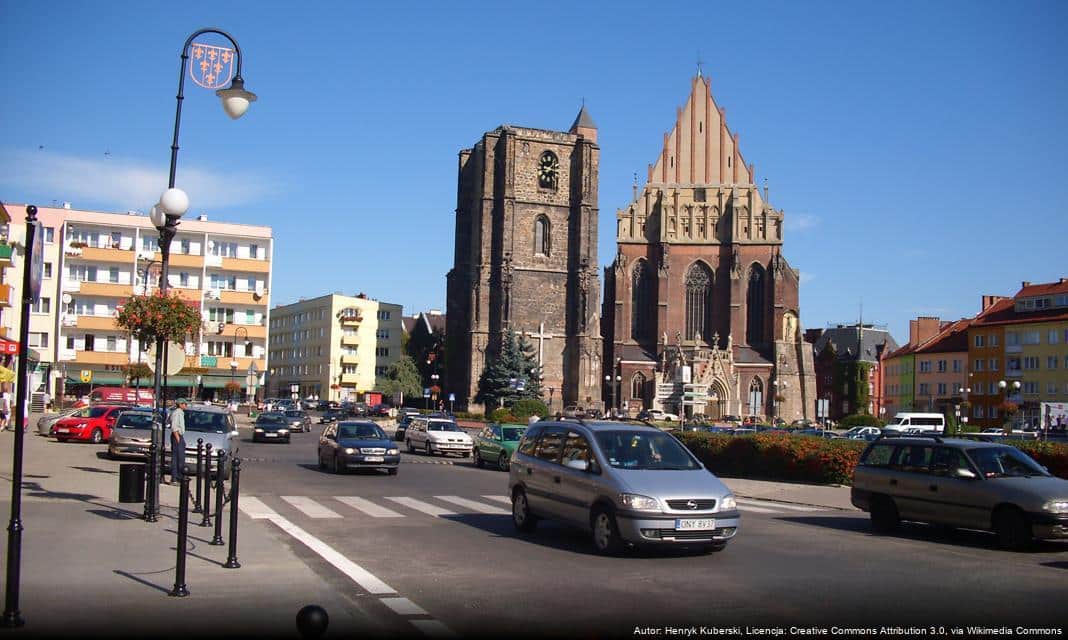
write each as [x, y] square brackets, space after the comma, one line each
[131, 483]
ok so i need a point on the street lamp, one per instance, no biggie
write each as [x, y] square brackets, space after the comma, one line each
[434, 377]
[1005, 386]
[174, 203]
[233, 354]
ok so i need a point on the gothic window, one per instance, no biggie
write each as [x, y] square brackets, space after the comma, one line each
[754, 305]
[699, 302]
[641, 321]
[756, 396]
[542, 236]
[637, 387]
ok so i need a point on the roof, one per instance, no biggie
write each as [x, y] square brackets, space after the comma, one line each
[953, 337]
[431, 322]
[583, 119]
[636, 353]
[1004, 313]
[850, 343]
[1049, 288]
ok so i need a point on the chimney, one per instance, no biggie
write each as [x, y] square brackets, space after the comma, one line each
[923, 329]
[66, 205]
[989, 301]
[1062, 281]
[202, 217]
[1025, 283]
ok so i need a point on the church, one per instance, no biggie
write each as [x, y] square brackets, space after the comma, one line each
[701, 311]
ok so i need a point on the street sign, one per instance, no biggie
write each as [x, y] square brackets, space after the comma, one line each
[87, 375]
[426, 392]
[667, 390]
[452, 397]
[294, 388]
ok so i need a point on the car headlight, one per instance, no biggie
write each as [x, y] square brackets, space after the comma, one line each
[350, 451]
[283, 431]
[393, 452]
[1056, 506]
[728, 504]
[259, 430]
[638, 502]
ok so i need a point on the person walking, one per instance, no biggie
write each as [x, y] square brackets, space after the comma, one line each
[176, 421]
[5, 409]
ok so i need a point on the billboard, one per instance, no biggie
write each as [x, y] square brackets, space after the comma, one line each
[1053, 416]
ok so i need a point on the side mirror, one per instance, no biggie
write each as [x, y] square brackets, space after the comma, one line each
[578, 465]
[967, 474]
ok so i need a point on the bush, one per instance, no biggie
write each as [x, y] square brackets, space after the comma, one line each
[523, 409]
[860, 420]
[502, 415]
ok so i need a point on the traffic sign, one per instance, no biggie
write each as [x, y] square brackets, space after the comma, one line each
[87, 375]
[426, 392]
[452, 397]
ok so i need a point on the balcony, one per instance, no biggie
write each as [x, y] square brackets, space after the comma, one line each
[106, 289]
[69, 320]
[72, 286]
[6, 295]
[252, 330]
[97, 323]
[67, 355]
[110, 254]
[246, 265]
[1014, 373]
[350, 317]
[1014, 348]
[242, 297]
[6, 251]
[350, 379]
[354, 360]
[350, 341]
[116, 358]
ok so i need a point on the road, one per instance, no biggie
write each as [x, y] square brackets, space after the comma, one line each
[435, 546]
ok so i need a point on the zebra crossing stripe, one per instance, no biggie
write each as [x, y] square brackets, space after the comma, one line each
[254, 508]
[310, 507]
[777, 505]
[478, 507]
[404, 607]
[368, 507]
[423, 507]
[505, 499]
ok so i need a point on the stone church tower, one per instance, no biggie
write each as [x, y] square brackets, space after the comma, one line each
[701, 307]
[526, 259]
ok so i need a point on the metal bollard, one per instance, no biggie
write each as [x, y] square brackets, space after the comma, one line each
[179, 590]
[150, 479]
[219, 487]
[200, 473]
[206, 520]
[235, 483]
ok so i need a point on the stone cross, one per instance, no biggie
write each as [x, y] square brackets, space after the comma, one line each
[542, 337]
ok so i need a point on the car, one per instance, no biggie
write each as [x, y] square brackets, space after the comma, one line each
[993, 430]
[656, 415]
[357, 409]
[742, 431]
[132, 434]
[731, 420]
[215, 426]
[803, 423]
[625, 483]
[331, 415]
[963, 483]
[575, 411]
[46, 424]
[90, 424]
[496, 443]
[402, 426]
[437, 435]
[379, 410]
[326, 405]
[357, 445]
[298, 420]
[271, 427]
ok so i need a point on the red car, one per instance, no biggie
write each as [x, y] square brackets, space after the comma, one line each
[91, 424]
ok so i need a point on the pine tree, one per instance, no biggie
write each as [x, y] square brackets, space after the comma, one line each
[512, 375]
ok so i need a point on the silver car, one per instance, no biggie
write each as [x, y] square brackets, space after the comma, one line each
[131, 435]
[962, 483]
[626, 483]
[214, 425]
[47, 422]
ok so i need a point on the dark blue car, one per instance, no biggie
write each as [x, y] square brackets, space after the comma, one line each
[357, 445]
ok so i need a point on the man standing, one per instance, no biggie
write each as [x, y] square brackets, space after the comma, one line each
[176, 422]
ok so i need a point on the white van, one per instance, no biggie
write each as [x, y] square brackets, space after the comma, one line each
[917, 422]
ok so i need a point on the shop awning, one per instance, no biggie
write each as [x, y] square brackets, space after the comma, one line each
[9, 347]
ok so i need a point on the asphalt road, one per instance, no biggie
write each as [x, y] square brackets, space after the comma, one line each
[440, 535]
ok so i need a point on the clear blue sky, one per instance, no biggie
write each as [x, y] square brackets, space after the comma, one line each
[917, 148]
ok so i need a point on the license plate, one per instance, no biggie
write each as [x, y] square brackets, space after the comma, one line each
[695, 524]
[62, 430]
[373, 459]
[271, 435]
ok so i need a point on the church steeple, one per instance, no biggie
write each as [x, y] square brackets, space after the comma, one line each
[584, 125]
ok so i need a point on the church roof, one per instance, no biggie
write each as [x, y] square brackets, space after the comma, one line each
[850, 344]
[583, 119]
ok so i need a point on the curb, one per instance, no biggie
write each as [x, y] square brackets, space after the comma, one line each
[800, 504]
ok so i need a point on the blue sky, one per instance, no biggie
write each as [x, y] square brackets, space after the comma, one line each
[917, 148]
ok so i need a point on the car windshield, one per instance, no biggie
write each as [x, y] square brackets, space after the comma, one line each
[205, 422]
[362, 431]
[442, 426]
[1005, 462]
[270, 418]
[91, 412]
[651, 450]
[294, 414]
[512, 434]
[134, 420]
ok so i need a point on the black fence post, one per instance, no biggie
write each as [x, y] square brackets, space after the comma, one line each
[235, 484]
[200, 474]
[179, 590]
[206, 520]
[219, 488]
[150, 496]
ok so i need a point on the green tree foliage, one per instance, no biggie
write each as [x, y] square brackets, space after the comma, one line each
[512, 375]
[852, 377]
[401, 377]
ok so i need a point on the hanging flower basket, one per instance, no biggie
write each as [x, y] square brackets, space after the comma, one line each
[159, 315]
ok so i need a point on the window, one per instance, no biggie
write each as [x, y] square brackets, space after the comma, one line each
[980, 340]
[549, 446]
[1053, 337]
[978, 365]
[941, 389]
[219, 314]
[1051, 362]
[699, 194]
[754, 304]
[993, 364]
[150, 243]
[637, 387]
[994, 390]
[941, 366]
[90, 342]
[49, 235]
[925, 366]
[542, 236]
[1030, 387]
[914, 458]
[1030, 362]
[878, 456]
[1051, 388]
[39, 339]
[48, 269]
[699, 302]
[43, 305]
[218, 348]
[183, 279]
[82, 273]
[254, 251]
[223, 281]
[250, 316]
[925, 389]
[382, 334]
[641, 303]
[185, 246]
[70, 343]
[382, 352]
[1012, 364]
[993, 340]
[576, 448]
[113, 274]
[224, 249]
[956, 366]
[1032, 337]
[112, 344]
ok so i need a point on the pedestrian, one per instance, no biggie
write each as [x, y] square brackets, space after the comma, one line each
[176, 421]
[47, 400]
[5, 408]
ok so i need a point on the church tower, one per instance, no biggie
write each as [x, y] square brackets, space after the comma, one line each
[526, 259]
[699, 292]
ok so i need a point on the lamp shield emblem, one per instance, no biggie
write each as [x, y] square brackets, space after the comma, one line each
[209, 66]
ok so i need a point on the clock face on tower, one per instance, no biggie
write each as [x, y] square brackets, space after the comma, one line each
[548, 167]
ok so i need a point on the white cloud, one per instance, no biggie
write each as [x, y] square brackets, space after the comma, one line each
[807, 276]
[121, 184]
[800, 221]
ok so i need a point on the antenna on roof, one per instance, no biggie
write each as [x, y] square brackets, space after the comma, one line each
[698, 63]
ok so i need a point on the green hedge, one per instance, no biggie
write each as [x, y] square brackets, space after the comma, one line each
[860, 420]
[799, 459]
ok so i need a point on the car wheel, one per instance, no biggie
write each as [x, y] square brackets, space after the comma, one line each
[96, 437]
[1013, 529]
[606, 537]
[522, 518]
[478, 458]
[502, 462]
[429, 451]
[884, 516]
[322, 465]
[392, 471]
[334, 466]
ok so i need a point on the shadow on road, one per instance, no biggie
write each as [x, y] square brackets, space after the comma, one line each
[95, 469]
[131, 576]
[1056, 565]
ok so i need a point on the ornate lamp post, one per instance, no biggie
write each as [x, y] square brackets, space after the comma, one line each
[1005, 386]
[233, 355]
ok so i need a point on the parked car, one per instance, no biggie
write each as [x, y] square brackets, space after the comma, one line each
[90, 424]
[437, 435]
[326, 405]
[271, 427]
[732, 420]
[575, 411]
[963, 483]
[402, 426]
[357, 445]
[656, 415]
[46, 424]
[132, 434]
[214, 425]
[859, 433]
[496, 443]
[298, 420]
[331, 415]
[379, 410]
[627, 484]
[358, 409]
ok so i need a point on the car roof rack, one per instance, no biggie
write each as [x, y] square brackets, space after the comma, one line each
[895, 434]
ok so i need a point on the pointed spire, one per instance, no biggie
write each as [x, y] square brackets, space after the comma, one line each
[584, 124]
[635, 187]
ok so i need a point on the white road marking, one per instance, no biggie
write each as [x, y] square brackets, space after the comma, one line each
[310, 507]
[778, 505]
[254, 508]
[424, 507]
[404, 607]
[433, 628]
[472, 505]
[369, 507]
[505, 499]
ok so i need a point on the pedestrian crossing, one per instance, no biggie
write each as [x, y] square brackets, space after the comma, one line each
[443, 506]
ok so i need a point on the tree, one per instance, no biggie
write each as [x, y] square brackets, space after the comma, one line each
[512, 375]
[401, 377]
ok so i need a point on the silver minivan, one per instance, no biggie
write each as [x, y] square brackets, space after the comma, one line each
[627, 484]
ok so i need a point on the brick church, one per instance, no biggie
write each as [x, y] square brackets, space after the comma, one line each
[526, 259]
[701, 307]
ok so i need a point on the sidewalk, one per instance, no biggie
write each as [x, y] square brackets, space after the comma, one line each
[92, 567]
[834, 497]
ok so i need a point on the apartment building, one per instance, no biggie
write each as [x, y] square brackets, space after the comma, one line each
[941, 369]
[332, 347]
[95, 260]
[899, 381]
